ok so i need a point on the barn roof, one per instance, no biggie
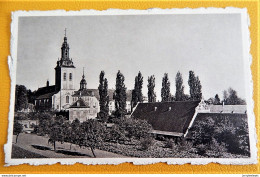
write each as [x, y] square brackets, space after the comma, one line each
[165, 117]
[228, 108]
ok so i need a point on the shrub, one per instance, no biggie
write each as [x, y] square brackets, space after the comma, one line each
[169, 143]
[135, 128]
[115, 134]
[146, 142]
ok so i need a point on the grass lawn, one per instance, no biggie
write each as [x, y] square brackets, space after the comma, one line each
[20, 153]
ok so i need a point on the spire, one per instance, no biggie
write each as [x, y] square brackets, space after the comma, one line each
[83, 76]
[83, 82]
[65, 59]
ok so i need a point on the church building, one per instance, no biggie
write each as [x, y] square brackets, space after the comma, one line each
[58, 97]
[62, 95]
[85, 104]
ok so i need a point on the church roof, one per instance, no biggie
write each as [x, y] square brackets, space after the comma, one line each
[46, 92]
[47, 95]
[111, 93]
[166, 117]
[79, 104]
[84, 92]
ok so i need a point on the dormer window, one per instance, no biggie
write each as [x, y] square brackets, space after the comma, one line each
[155, 108]
[170, 108]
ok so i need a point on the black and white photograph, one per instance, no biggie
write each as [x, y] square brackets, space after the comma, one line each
[141, 86]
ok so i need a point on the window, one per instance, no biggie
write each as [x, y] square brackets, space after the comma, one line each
[64, 76]
[67, 99]
[57, 106]
[70, 76]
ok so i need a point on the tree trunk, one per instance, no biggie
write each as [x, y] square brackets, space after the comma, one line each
[16, 138]
[54, 145]
[93, 152]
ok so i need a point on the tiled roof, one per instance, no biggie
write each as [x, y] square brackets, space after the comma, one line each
[79, 104]
[167, 116]
[228, 108]
[83, 92]
[47, 95]
[95, 92]
[45, 92]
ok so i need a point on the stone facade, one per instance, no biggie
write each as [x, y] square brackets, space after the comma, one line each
[83, 110]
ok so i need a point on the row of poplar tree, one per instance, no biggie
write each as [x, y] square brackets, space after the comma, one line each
[120, 92]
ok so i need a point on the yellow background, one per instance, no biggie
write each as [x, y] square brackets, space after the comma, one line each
[7, 6]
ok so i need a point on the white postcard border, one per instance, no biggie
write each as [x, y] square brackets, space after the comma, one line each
[12, 62]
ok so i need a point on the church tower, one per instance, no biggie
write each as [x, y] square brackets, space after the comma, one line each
[64, 78]
[64, 71]
[83, 82]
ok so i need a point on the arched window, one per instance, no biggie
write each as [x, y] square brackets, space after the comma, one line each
[64, 76]
[70, 76]
[67, 99]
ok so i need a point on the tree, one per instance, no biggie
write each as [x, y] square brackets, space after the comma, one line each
[21, 100]
[165, 91]
[137, 95]
[57, 130]
[195, 86]
[198, 95]
[77, 135]
[230, 97]
[17, 129]
[203, 131]
[135, 128]
[216, 100]
[44, 122]
[225, 95]
[217, 132]
[104, 98]
[151, 86]
[31, 96]
[120, 95]
[179, 95]
[93, 134]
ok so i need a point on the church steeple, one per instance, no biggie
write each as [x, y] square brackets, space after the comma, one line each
[65, 47]
[83, 82]
[64, 70]
[65, 59]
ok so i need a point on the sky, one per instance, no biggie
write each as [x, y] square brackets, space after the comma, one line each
[208, 44]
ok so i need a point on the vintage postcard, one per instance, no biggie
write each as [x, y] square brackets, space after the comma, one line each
[140, 86]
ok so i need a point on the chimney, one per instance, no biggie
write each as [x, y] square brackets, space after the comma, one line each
[155, 108]
[47, 83]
